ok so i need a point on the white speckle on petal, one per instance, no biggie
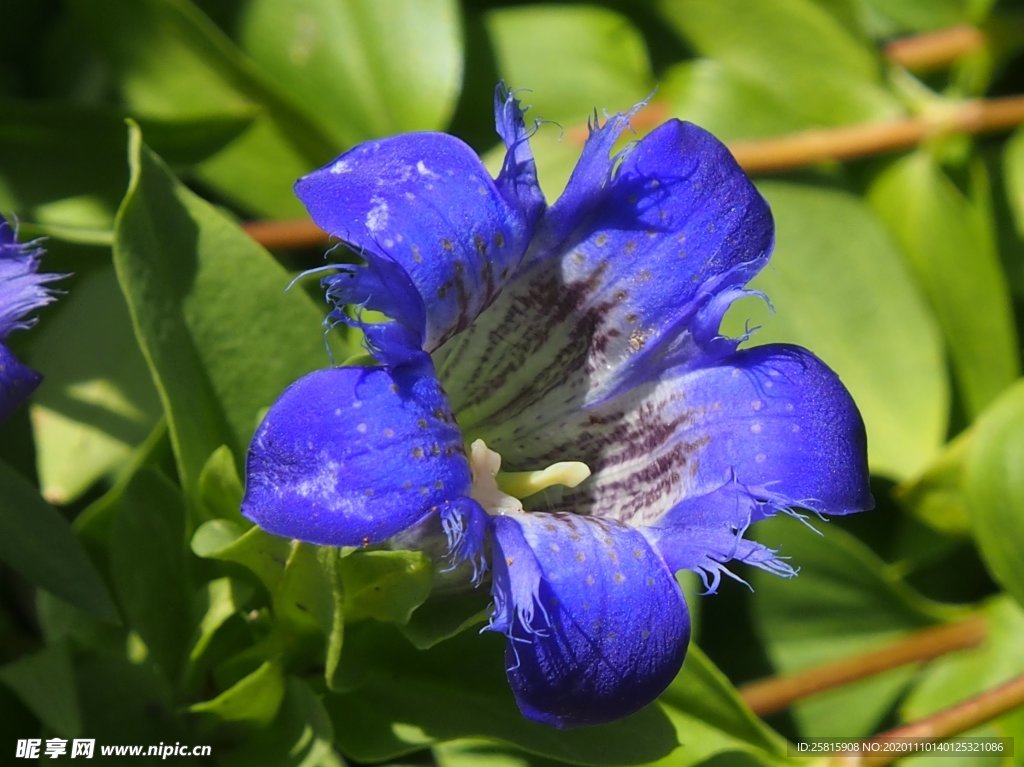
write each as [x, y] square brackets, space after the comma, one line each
[377, 217]
[756, 405]
[755, 428]
[361, 428]
[341, 166]
[423, 170]
[760, 458]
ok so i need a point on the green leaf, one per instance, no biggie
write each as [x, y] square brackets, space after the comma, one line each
[792, 49]
[1013, 167]
[301, 735]
[262, 554]
[570, 60]
[45, 683]
[936, 496]
[86, 144]
[844, 602]
[98, 402]
[363, 68]
[443, 616]
[220, 487]
[38, 544]
[711, 718]
[149, 568]
[385, 585]
[839, 288]
[253, 701]
[222, 599]
[221, 336]
[948, 243]
[994, 486]
[405, 699]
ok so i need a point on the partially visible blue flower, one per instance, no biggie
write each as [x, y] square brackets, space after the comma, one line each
[22, 289]
[522, 335]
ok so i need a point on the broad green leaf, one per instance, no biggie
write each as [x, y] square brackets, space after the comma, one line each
[994, 484]
[485, 753]
[403, 699]
[839, 288]
[149, 568]
[85, 147]
[362, 68]
[222, 599]
[221, 336]
[726, 102]
[892, 17]
[172, 61]
[385, 585]
[97, 403]
[844, 602]
[260, 553]
[38, 544]
[711, 718]
[1013, 168]
[253, 701]
[304, 598]
[301, 735]
[443, 616]
[936, 496]
[220, 487]
[949, 245]
[793, 49]
[45, 683]
[570, 60]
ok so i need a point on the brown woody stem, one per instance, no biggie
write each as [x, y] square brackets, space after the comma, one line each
[949, 722]
[934, 50]
[778, 693]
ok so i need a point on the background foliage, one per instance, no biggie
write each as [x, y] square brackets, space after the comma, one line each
[139, 607]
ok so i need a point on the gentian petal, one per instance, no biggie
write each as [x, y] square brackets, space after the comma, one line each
[630, 281]
[22, 290]
[425, 204]
[17, 382]
[597, 625]
[351, 456]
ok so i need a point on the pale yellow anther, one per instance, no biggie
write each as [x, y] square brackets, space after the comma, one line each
[499, 492]
[523, 484]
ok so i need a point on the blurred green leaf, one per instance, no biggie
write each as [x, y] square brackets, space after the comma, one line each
[301, 735]
[220, 487]
[362, 68]
[994, 484]
[149, 568]
[570, 60]
[941, 232]
[891, 17]
[485, 753]
[221, 336]
[792, 49]
[936, 496]
[85, 146]
[45, 682]
[404, 699]
[97, 402]
[253, 701]
[222, 599]
[839, 288]
[844, 602]
[1013, 168]
[443, 616]
[385, 585]
[262, 554]
[711, 718]
[38, 544]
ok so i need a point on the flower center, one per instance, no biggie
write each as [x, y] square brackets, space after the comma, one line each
[499, 492]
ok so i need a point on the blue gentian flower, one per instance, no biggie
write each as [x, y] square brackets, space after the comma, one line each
[520, 335]
[22, 289]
